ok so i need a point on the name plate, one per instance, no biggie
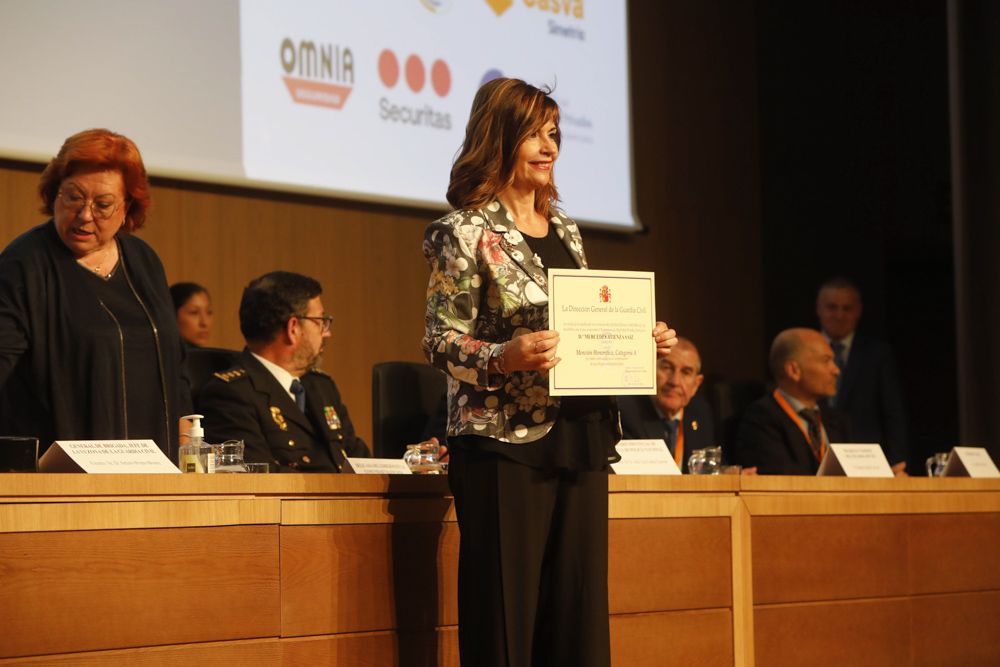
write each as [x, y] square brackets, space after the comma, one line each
[854, 460]
[105, 456]
[361, 466]
[644, 457]
[970, 462]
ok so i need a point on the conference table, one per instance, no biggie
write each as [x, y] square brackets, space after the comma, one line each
[360, 570]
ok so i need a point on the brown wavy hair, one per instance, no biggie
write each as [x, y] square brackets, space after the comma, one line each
[505, 112]
[100, 149]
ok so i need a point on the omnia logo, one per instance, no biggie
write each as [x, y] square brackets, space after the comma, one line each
[317, 74]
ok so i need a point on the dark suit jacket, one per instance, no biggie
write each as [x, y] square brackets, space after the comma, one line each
[247, 403]
[771, 441]
[640, 421]
[870, 394]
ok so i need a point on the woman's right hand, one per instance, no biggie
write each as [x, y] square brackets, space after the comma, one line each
[535, 351]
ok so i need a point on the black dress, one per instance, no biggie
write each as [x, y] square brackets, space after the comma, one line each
[68, 368]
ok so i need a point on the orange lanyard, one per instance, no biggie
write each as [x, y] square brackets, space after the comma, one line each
[679, 441]
[818, 453]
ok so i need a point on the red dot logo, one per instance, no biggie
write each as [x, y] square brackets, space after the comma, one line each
[414, 72]
[388, 68]
[440, 77]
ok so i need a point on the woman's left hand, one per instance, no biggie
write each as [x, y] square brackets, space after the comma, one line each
[665, 338]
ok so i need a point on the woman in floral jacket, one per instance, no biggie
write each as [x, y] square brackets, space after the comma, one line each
[528, 471]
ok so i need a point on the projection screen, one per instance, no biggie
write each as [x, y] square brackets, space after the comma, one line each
[344, 98]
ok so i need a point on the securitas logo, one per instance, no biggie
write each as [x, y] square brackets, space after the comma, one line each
[566, 8]
[318, 74]
[409, 103]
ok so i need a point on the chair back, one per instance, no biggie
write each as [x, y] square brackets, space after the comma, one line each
[18, 454]
[406, 397]
[203, 362]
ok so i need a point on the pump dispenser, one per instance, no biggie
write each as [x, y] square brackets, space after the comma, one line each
[195, 455]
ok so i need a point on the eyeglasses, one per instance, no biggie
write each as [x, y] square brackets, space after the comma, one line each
[101, 208]
[327, 320]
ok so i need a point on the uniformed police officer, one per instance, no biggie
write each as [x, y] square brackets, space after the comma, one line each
[287, 412]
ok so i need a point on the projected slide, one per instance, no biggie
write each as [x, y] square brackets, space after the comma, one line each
[370, 100]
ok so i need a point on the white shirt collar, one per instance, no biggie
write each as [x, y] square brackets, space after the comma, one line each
[283, 377]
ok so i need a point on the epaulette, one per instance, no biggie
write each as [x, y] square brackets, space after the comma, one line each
[229, 376]
[319, 371]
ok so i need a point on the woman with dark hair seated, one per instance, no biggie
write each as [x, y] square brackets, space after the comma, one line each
[193, 307]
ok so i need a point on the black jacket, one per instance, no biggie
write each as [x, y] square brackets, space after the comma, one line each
[61, 352]
[870, 393]
[247, 403]
[771, 441]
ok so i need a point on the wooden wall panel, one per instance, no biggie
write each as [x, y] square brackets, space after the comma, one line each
[673, 639]
[250, 653]
[960, 630]
[954, 552]
[368, 577]
[798, 559]
[667, 564]
[862, 633]
[431, 648]
[79, 591]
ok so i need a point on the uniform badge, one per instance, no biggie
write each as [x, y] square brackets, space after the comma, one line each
[694, 425]
[332, 418]
[278, 418]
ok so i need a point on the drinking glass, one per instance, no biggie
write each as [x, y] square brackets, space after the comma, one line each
[707, 461]
[230, 457]
[936, 464]
[422, 458]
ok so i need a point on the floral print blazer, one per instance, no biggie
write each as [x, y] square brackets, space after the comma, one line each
[486, 287]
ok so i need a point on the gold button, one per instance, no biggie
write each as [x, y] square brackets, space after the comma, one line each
[306, 459]
[291, 443]
[340, 436]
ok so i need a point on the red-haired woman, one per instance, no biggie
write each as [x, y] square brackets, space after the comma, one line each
[88, 340]
[528, 471]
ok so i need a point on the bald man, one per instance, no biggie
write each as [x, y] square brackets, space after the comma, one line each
[788, 431]
[673, 414]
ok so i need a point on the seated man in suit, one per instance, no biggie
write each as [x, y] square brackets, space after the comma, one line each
[287, 411]
[868, 389]
[787, 432]
[673, 414]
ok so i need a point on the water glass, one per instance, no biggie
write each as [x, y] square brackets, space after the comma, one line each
[707, 461]
[937, 463]
[229, 457]
[422, 458]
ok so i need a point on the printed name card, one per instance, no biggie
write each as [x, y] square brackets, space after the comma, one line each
[360, 466]
[970, 462]
[645, 457]
[854, 460]
[105, 456]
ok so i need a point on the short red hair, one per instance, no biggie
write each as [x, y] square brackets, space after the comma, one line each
[100, 149]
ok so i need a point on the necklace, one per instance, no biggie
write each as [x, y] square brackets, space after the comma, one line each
[96, 268]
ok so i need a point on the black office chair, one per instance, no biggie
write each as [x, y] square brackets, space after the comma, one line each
[406, 399]
[203, 362]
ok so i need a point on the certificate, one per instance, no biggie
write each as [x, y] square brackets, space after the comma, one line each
[605, 322]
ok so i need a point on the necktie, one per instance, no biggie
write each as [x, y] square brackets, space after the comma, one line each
[299, 392]
[811, 415]
[671, 435]
[838, 358]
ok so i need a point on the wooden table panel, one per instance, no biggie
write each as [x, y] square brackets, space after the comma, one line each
[668, 564]
[673, 639]
[956, 630]
[429, 648]
[368, 577]
[861, 633]
[90, 590]
[249, 653]
[954, 552]
[800, 559]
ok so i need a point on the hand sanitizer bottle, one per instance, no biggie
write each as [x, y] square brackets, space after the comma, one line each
[196, 456]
